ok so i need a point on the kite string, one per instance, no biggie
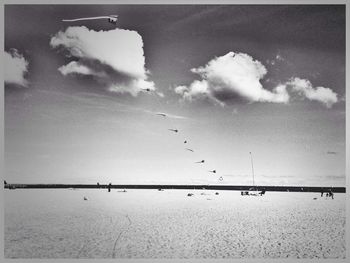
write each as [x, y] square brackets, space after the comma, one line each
[167, 117]
[188, 144]
[172, 124]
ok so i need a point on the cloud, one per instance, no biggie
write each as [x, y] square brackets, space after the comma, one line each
[237, 76]
[16, 66]
[229, 76]
[277, 58]
[75, 67]
[305, 89]
[115, 58]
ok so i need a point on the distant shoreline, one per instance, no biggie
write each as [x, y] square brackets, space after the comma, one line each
[182, 186]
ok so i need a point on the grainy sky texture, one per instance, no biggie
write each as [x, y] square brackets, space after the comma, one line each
[81, 98]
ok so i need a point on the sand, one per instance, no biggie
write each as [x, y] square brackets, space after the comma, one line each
[52, 223]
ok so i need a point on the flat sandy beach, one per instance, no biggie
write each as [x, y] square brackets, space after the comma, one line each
[50, 223]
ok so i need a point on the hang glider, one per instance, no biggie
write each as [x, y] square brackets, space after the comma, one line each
[201, 161]
[188, 149]
[161, 114]
[111, 19]
[213, 171]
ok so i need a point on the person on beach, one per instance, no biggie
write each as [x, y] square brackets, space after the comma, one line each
[321, 193]
[109, 187]
[330, 194]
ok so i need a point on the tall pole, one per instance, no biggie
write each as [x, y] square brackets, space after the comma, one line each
[251, 159]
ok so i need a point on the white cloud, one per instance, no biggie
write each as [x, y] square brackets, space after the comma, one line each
[16, 66]
[115, 57]
[231, 75]
[161, 94]
[279, 57]
[77, 68]
[181, 90]
[305, 89]
[238, 75]
[196, 89]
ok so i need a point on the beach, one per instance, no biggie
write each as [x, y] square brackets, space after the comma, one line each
[59, 223]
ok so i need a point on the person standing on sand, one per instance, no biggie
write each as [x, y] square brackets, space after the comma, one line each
[109, 187]
[321, 193]
[331, 194]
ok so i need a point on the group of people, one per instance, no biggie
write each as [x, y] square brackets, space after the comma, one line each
[261, 193]
[329, 193]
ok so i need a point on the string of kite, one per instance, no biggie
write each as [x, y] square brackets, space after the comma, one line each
[175, 130]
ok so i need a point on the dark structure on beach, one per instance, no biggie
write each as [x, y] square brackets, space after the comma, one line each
[183, 186]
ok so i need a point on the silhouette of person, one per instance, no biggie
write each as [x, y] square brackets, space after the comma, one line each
[331, 194]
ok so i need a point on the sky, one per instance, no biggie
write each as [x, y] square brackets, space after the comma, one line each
[82, 97]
